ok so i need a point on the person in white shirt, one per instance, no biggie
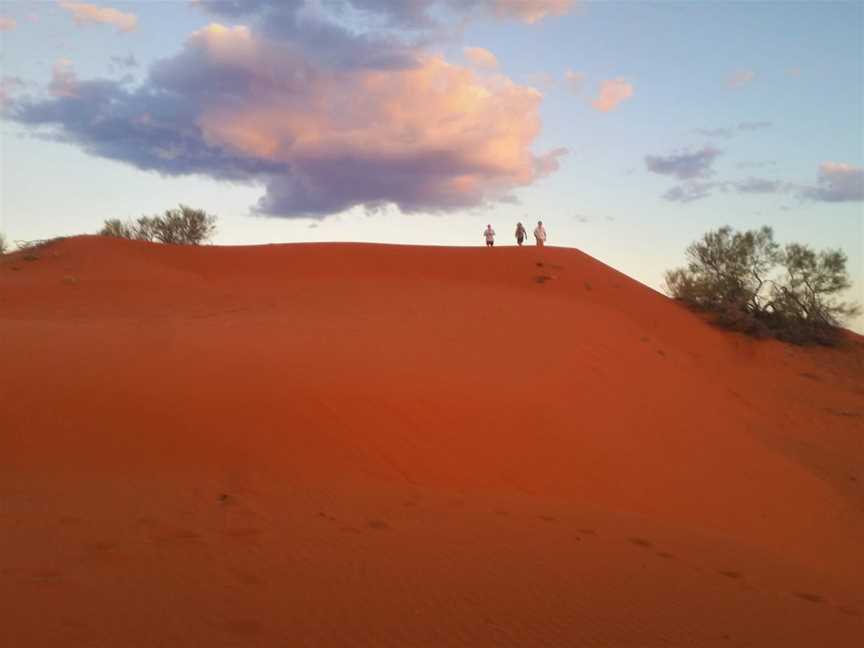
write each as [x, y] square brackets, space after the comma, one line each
[489, 235]
[540, 234]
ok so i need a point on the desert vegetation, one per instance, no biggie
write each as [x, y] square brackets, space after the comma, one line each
[181, 226]
[752, 284]
[3, 245]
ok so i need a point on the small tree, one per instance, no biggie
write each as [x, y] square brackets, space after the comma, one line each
[751, 285]
[183, 226]
[3, 244]
[809, 290]
[116, 228]
[727, 268]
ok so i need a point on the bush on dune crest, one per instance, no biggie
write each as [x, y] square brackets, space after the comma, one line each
[182, 226]
[754, 286]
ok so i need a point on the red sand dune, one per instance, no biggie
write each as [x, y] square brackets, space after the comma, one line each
[360, 445]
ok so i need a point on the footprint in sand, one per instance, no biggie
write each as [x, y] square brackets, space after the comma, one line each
[666, 555]
[807, 596]
[379, 525]
[548, 518]
[730, 574]
[641, 542]
[586, 531]
[851, 611]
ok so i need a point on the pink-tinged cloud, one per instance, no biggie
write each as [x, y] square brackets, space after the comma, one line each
[740, 78]
[431, 136]
[481, 58]
[64, 82]
[838, 182]
[434, 136]
[8, 87]
[574, 81]
[85, 14]
[612, 93]
[7, 24]
[531, 11]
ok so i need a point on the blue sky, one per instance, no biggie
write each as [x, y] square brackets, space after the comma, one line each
[751, 111]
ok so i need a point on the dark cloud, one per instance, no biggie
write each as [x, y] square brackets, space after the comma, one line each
[152, 129]
[684, 165]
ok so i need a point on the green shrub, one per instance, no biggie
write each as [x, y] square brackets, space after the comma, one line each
[182, 226]
[754, 286]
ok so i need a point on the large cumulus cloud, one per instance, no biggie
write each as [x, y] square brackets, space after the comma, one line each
[324, 118]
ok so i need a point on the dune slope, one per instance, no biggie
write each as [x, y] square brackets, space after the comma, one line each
[400, 446]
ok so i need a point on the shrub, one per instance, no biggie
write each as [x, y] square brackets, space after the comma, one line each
[182, 226]
[753, 286]
[3, 245]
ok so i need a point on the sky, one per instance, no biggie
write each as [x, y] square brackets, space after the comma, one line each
[629, 128]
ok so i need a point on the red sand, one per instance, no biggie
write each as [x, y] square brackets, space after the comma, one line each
[358, 445]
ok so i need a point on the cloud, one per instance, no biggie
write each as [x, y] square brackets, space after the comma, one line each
[481, 58]
[689, 191]
[837, 182]
[406, 14]
[728, 133]
[693, 190]
[754, 125]
[530, 11]
[124, 62]
[85, 14]
[7, 24]
[758, 186]
[740, 78]
[684, 165]
[431, 136]
[64, 82]
[612, 93]
[574, 81]
[548, 163]
[9, 85]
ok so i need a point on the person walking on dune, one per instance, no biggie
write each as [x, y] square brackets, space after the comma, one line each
[521, 233]
[489, 235]
[540, 234]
